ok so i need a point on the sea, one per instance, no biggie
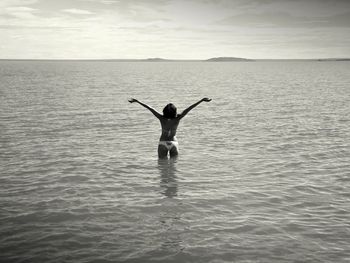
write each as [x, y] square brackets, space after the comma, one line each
[263, 173]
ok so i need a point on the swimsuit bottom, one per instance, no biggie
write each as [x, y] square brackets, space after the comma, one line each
[169, 144]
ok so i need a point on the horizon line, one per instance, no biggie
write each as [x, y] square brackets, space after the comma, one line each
[157, 59]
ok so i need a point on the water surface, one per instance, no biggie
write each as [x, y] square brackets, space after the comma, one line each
[263, 173]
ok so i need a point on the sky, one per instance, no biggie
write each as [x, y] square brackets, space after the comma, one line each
[174, 29]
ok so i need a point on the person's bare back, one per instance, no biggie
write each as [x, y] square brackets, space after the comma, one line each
[169, 122]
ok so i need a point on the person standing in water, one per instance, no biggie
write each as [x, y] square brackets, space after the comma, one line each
[169, 122]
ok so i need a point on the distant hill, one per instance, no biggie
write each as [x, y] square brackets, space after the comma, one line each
[217, 59]
[156, 60]
[333, 59]
[227, 59]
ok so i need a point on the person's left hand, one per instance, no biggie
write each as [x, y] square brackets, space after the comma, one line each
[132, 100]
[206, 99]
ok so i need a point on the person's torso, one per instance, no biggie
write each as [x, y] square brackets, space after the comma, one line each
[169, 128]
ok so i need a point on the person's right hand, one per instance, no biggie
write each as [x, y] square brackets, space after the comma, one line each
[132, 100]
[206, 99]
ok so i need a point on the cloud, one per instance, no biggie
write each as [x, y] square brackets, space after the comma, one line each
[340, 20]
[76, 11]
[21, 12]
[284, 19]
[108, 2]
[9, 3]
[181, 28]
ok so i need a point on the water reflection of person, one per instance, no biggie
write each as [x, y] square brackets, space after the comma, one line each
[168, 180]
[170, 218]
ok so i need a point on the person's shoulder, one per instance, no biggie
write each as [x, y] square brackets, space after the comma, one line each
[179, 116]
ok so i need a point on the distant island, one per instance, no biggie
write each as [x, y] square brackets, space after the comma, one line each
[333, 59]
[217, 59]
[156, 59]
[227, 59]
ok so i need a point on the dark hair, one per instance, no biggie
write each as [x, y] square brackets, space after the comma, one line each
[169, 111]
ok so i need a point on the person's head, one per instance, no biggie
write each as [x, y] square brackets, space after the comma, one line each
[169, 111]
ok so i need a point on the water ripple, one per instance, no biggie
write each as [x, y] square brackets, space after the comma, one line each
[262, 176]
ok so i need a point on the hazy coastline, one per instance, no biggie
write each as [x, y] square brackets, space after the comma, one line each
[214, 59]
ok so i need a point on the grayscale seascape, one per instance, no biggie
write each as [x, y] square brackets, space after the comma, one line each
[263, 173]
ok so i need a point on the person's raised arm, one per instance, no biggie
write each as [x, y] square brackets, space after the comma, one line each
[155, 113]
[184, 113]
